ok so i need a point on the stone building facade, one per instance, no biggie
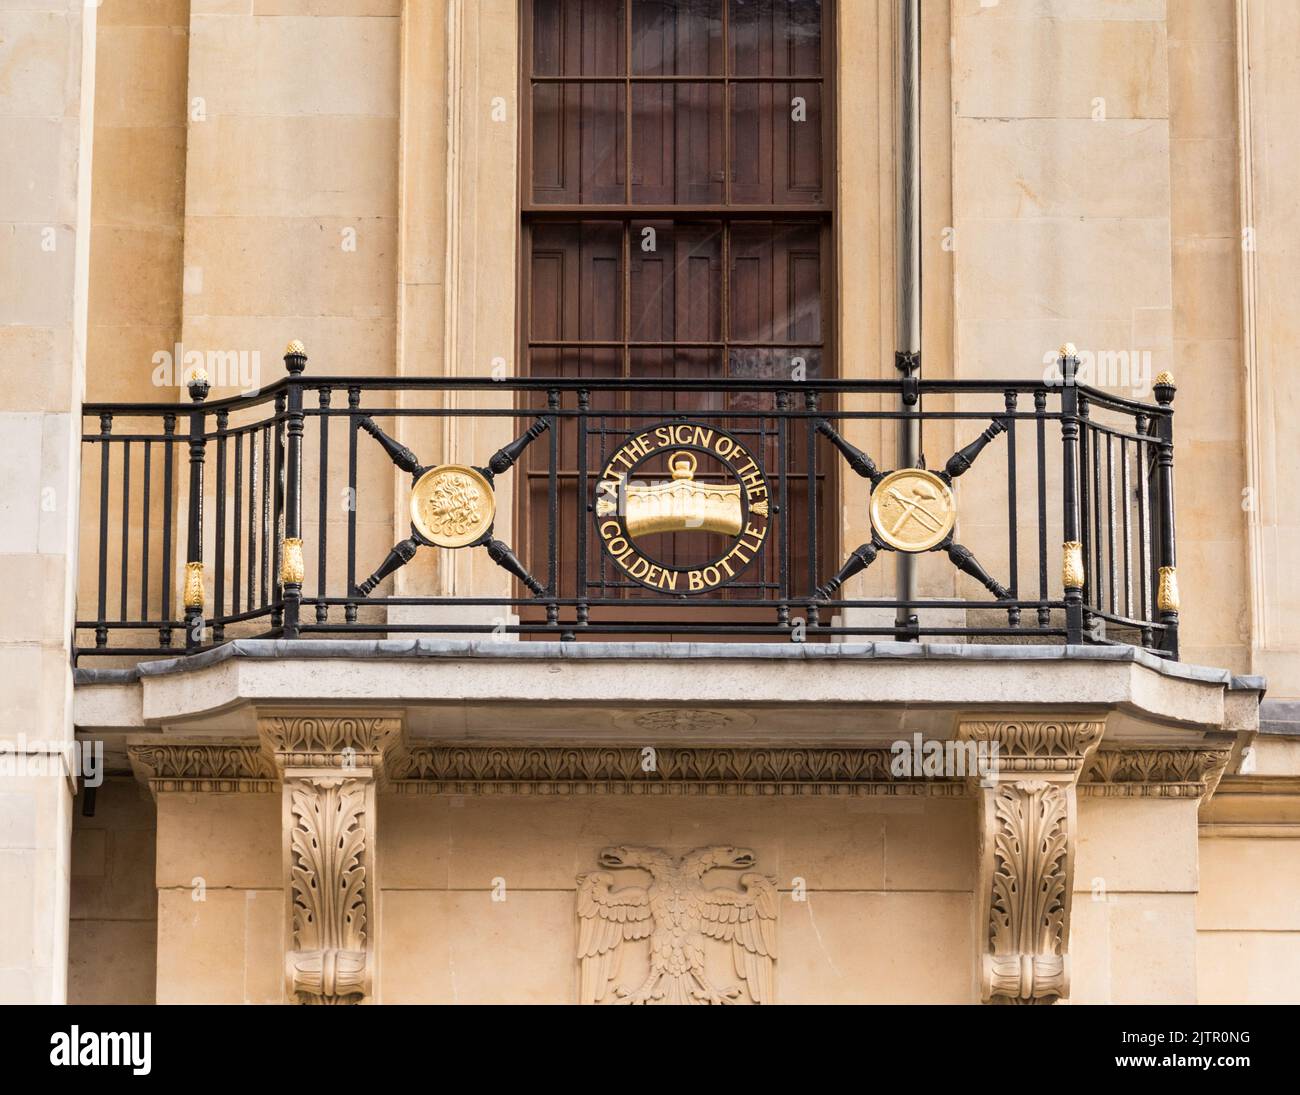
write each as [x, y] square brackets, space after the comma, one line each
[401, 810]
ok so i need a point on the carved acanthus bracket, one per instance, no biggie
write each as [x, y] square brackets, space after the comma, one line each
[331, 848]
[330, 769]
[1027, 842]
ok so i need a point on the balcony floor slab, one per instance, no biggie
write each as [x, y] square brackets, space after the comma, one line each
[832, 693]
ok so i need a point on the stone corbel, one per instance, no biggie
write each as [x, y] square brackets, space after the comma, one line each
[1027, 826]
[330, 770]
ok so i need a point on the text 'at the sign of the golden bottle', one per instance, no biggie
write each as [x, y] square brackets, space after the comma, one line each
[630, 505]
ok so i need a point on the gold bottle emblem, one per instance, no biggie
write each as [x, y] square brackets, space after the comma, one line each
[679, 505]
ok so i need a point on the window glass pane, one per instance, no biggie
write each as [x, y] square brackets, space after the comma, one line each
[576, 282]
[677, 139]
[776, 37]
[775, 283]
[676, 285]
[677, 37]
[577, 144]
[578, 38]
[776, 144]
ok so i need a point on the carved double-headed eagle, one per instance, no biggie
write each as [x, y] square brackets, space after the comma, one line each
[677, 913]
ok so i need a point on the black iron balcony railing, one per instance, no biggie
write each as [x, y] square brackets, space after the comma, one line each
[698, 508]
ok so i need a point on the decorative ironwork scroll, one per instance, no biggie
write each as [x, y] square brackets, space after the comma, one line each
[913, 510]
[453, 505]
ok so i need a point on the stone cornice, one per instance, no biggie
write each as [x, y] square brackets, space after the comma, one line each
[512, 769]
[625, 770]
[204, 767]
[1154, 772]
[804, 690]
[1262, 806]
[509, 769]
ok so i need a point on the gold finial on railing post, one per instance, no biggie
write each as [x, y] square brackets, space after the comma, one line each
[295, 357]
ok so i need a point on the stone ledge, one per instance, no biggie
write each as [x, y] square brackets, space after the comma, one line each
[1280, 717]
[401, 649]
[666, 692]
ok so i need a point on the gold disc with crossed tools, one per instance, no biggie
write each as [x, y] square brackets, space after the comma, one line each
[912, 510]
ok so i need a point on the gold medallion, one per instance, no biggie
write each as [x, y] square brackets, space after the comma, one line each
[912, 510]
[628, 507]
[452, 505]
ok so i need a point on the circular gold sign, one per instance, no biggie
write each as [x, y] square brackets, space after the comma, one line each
[452, 505]
[628, 506]
[912, 510]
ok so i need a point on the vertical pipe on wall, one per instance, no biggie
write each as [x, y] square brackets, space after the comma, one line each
[907, 260]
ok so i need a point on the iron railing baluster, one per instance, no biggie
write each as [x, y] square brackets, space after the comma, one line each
[288, 497]
[1167, 600]
[354, 402]
[169, 502]
[101, 630]
[1013, 553]
[219, 544]
[194, 592]
[126, 526]
[1040, 431]
[322, 509]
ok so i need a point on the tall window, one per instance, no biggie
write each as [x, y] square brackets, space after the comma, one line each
[676, 196]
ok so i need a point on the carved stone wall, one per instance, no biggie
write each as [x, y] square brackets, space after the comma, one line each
[650, 929]
[672, 918]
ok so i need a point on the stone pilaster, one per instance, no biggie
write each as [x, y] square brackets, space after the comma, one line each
[1027, 819]
[330, 768]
